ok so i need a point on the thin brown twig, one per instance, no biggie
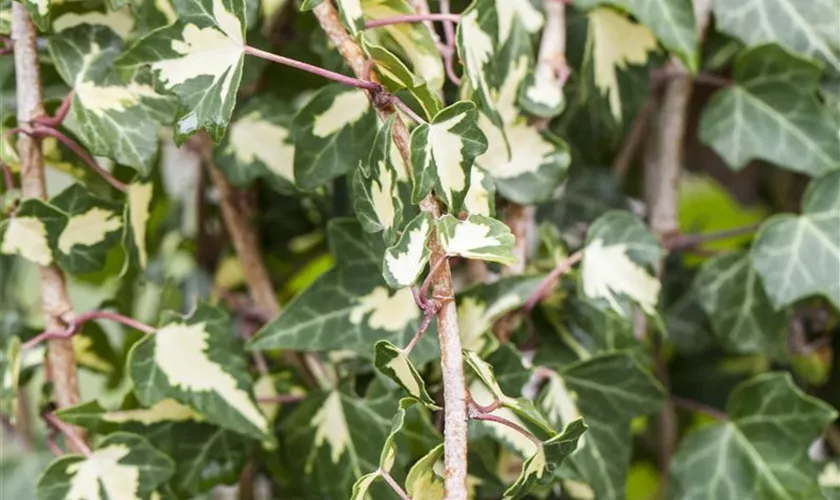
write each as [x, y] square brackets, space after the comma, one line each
[428, 313]
[331, 75]
[493, 406]
[476, 415]
[412, 18]
[698, 407]
[69, 433]
[282, 398]
[550, 280]
[75, 325]
[60, 114]
[393, 484]
[402, 106]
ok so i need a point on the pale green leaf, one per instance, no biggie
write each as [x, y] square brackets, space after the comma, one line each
[443, 152]
[376, 197]
[332, 133]
[10, 364]
[199, 58]
[424, 482]
[363, 484]
[394, 363]
[481, 195]
[772, 424]
[742, 316]
[405, 261]
[809, 27]
[798, 257]
[351, 14]
[40, 12]
[477, 237]
[772, 114]
[672, 21]
[196, 361]
[106, 114]
[350, 307]
[136, 217]
[258, 145]
[123, 466]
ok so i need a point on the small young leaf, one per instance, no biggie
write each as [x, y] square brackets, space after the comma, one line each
[363, 484]
[196, 361]
[123, 466]
[443, 153]
[405, 261]
[332, 133]
[199, 58]
[477, 237]
[423, 481]
[394, 363]
[798, 257]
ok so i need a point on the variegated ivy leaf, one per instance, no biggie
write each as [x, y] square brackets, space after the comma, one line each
[350, 307]
[476, 237]
[307, 5]
[671, 21]
[424, 480]
[481, 195]
[205, 455]
[351, 13]
[39, 11]
[393, 362]
[75, 229]
[481, 305]
[443, 152]
[258, 145]
[618, 249]
[539, 468]
[136, 216]
[771, 425]
[106, 114]
[123, 466]
[411, 42]
[376, 197]
[332, 133]
[614, 42]
[772, 113]
[807, 27]
[396, 76]
[119, 19]
[742, 316]
[799, 257]
[200, 59]
[404, 262]
[526, 164]
[337, 437]
[196, 361]
[608, 391]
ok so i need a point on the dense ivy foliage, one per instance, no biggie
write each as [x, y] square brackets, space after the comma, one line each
[303, 241]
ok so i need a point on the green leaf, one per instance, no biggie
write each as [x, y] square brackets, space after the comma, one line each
[197, 362]
[772, 424]
[40, 12]
[618, 248]
[672, 21]
[393, 362]
[106, 114]
[772, 113]
[10, 363]
[477, 237]
[742, 315]
[332, 133]
[411, 42]
[258, 145]
[376, 197]
[608, 391]
[807, 27]
[405, 261]
[363, 484]
[75, 228]
[423, 481]
[123, 466]
[136, 216]
[798, 257]
[349, 308]
[200, 59]
[443, 152]
[351, 15]
[480, 306]
[539, 468]
[336, 437]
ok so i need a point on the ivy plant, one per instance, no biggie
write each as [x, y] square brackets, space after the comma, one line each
[375, 249]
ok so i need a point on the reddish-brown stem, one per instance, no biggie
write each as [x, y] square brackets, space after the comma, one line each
[42, 131]
[402, 106]
[495, 405]
[449, 54]
[429, 312]
[412, 18]
[282, 398]
[424, 290]
[8, 176]
[75, 325]
[69, 433]
[475, 415]
[685, 241]
[52, 444]
[695, 406]
[330, 75]
[60, 114]
[393, 484]
[550, 280]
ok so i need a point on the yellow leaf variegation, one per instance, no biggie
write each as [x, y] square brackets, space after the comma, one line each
[477, 237]
[405, 261]
[608, 272]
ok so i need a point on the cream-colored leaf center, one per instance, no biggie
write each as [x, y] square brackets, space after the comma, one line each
[101, 473]
[607, 271]
[331, 426]
[252, 138]
[88, 229]
[346, 109]
[139, 200]
[406, 266]
[165, 410]
[27, 237]
[392, 313]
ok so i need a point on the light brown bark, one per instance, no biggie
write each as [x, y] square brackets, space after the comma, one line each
[55, 302]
